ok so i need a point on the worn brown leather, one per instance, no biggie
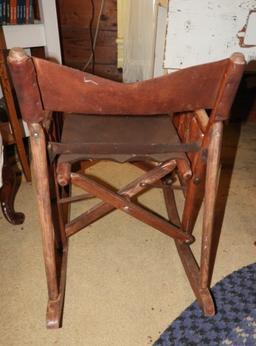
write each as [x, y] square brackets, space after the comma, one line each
[184, 90]
[27, 90]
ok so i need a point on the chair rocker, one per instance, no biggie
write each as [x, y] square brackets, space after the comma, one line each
[168, 126]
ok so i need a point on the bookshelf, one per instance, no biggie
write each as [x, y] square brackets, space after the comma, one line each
[25, 35]
[17, 11]
[43, 33]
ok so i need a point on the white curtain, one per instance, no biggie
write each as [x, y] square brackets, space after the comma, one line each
[139, 40]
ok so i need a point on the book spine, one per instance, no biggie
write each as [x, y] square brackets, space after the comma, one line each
[24, 11]
[19, 12]
[31, 11]
[27, 11]
[13, 10]
[8, 14]
[4, 12]
[1, 12]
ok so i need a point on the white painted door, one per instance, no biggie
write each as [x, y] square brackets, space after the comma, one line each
[201, 31]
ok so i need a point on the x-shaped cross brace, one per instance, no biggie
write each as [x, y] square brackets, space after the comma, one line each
[122, 200]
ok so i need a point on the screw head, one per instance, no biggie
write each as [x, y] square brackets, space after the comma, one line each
[197, 180]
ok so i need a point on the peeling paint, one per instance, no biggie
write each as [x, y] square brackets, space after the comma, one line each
[203, 31]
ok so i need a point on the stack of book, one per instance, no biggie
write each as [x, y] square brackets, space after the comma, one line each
[16, 12]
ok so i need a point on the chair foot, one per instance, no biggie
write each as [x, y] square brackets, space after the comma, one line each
[15, 218]
[206, 302]
[11, 183]
[54, 313]
[191, 267]
[55, 307]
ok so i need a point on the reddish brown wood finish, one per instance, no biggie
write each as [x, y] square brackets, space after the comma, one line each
[211, 186]
[38, 148]
[130, 208]
[129, 191]
[8, 191]
[63, 173]
[202, 119]
[188, 260]
[55, 280]
[10, 178]
[123, 203]
[198, 136]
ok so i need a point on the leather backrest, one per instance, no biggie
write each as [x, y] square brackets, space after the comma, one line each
[43, 85]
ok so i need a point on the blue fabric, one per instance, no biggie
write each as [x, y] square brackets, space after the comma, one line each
[235, 321]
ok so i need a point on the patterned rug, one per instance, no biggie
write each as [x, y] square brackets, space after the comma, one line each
[235, 321]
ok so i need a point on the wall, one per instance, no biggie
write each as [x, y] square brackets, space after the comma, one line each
[74, 18]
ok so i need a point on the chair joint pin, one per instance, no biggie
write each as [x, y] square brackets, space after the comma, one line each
[197, 180]
[190, 240]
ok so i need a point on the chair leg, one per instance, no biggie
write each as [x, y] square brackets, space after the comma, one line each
[211, 186]
[55, 260]
[203, 295]
[193, 202]
[188, 260]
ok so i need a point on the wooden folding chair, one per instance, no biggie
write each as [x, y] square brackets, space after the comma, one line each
[167, 126]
